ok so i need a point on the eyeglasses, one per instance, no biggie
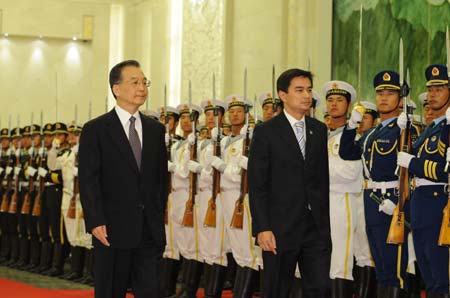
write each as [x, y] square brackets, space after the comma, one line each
[135, 83]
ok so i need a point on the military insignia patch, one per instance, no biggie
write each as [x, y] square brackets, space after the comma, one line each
[435, 71]
[433, 138]
[386, 77]
[335, 85]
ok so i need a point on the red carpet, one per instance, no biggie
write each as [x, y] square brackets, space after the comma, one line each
[13, 289]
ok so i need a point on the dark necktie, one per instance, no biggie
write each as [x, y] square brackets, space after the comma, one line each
[135, 142]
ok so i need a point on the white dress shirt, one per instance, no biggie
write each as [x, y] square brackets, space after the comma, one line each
[124, 118]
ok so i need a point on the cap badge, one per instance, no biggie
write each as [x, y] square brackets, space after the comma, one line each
[386, 77]
[435, 71]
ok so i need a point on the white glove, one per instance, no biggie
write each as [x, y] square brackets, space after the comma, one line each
[17, 153]
[17, 170]
[448, 154]
[387, 206]
[75, 149]
[355, 118]
[194, 166]
[8, 170]
[191, 138]
[55, 143]
[218, 164]
[447, 116]
[75, 171]
[244, 131]
[167, 138]
[8, 152]
[214, 133]
[42, 172]
[401, 120]
[243, 161]
[403, 159]
[1, 170]
[31, 151]
[41, 151]
[170, 166]
[31, 171]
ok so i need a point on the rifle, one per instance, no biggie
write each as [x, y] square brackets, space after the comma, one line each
[15, 196]
[26, 205]
[71, 212]
[396, 233]
[6, 198]
[188, 217]
[210, 217]
[237, 220]
[444, 233]
[38, 200]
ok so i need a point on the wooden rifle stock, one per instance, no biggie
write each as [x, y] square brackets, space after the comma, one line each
[188, 217]
[72, 211]
[210, 216]
[26, 205]
[237, 220]
[5, 199]
[396, 233]
[38, 200]
[15, 197]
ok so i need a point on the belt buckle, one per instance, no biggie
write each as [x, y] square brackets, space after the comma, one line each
[446, 188]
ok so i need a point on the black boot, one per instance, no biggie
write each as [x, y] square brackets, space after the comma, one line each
[14, 255]
[216, 279]
[341, 288]
[45, 261]
[169, 276]
[381, 291]
[35, 254]
[88, 275]
[76, 263]
[230, 276]
[24, 254]
[5, 248]
[246, 284]
[296, 289]
[366, 283]
[393, 292]
[58, 261]
[413, 290]
[191, 281]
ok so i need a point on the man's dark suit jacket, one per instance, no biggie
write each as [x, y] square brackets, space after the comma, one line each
[113, 191]
[282, 182]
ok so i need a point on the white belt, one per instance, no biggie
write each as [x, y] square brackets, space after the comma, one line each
[23, 184]
[49, 184]
[383, 185]
[416, 182]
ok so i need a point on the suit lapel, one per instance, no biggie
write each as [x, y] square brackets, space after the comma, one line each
[310, 136]
[287, 134]
[117, 134]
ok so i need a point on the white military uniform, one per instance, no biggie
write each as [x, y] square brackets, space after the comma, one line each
[213, 241]
[346, 181]
[75, 227]
[242, 243]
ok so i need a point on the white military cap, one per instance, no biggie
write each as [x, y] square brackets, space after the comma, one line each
[265, 98]
[236, 100]
[423, 97]
[210, 104]
[186, 108]
[170, 111]
[369, 106]
[339, 88]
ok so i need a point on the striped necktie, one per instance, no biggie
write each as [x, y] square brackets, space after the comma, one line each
[135, 143]
[299, 128]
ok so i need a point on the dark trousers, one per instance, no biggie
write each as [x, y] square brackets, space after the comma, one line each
[313, 257]
[53, 206]
[43, 222]
[432, 259]
[386, 257]
[113, 267]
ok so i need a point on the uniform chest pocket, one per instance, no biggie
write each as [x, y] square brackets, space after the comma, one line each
[385, 147]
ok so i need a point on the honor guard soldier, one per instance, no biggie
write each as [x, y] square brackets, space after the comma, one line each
[377, 149]
[233, 165]
[203, 131]
[4, 161]
[369, 118]
[326, 118]
[427, 163]
[346, 183]
[13, 172]
[53, 176]
[171, 255]
[226, 128]
[213, 244]
[40, 210]
[428, 113]
[315, 102]
[185, 236]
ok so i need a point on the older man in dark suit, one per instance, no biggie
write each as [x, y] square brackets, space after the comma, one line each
[289, 192]
[122, 158]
